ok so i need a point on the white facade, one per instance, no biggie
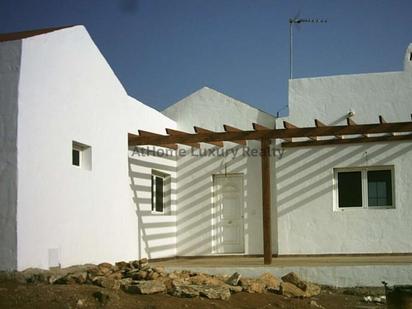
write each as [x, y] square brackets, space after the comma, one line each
[56, 89]
[67, 215]
[210, 110]
[307, 220]
[304, 215]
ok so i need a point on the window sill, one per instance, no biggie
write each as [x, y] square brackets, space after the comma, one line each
[363, 208]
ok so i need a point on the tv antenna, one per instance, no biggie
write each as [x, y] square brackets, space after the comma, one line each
[296, 20]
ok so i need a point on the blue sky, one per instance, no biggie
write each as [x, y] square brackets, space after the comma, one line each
[163, 50]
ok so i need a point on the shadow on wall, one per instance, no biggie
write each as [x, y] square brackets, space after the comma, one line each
[156, 232]
[196, 233]
[295, 188]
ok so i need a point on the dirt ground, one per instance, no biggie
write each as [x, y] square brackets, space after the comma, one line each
[22, 295]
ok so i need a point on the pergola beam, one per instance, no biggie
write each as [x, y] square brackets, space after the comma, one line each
[381, 120]
[319, 124]
[351, 122]
[146, 134]
[180, 133]
[233, 129]
[202, 131]
[288, 125]
[356, 140]
[205, 136]
[259, 127]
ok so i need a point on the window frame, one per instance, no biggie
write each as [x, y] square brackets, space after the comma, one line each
[156, 174]
[364, 189]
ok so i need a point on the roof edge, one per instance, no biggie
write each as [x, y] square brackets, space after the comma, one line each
[4, 37]
[207, 88]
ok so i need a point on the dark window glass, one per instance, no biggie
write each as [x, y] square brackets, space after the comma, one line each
[153, 193]
[76, 157]
[157, 193]
[379, 188]
[350, 189]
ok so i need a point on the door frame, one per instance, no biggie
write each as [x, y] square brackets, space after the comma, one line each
[215, 249]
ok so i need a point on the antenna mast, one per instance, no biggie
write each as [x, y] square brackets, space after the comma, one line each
[293, 21]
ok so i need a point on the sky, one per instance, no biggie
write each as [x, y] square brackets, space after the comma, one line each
[164, 50]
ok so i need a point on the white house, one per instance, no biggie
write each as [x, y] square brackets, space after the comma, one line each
[73, 192]
[310, 220]
[66, 193]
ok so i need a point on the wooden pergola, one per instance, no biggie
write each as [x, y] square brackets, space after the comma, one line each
[319, 135]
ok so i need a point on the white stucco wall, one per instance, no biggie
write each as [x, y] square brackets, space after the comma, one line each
[304, 176]
[9, 77]
[210, 109]
[68, 92]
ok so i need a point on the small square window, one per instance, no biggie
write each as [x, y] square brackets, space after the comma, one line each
[81, 155]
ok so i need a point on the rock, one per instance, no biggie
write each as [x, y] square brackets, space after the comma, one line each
[252, 286]
[256, 287]
[143, 262]
[271, 282]
[152, 276]
[122, 265]
[188, 291]
[103, 298]
[72, 278]
[146, 268]
[139, 275]
[312, 289]
[234, 288]
[203, 279]
[124, 283]
[309, 288]
[290, 290]
[215, 292]
[105, 268]
[106, 282]
[135, 264]
[146, 287]
[159, 269]
[234, 279]
[208, 291]
[294, 279]
[173, 275]
[116, 275]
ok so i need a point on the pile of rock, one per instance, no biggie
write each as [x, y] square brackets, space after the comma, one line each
[139, 277]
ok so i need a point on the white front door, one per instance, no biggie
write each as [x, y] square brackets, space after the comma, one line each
[228, 213]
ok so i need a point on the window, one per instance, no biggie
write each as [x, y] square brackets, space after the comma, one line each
[76, 156]
[160, 192]
[81, 155]
[368, 187]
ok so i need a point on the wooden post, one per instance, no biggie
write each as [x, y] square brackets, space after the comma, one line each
[266, 204]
